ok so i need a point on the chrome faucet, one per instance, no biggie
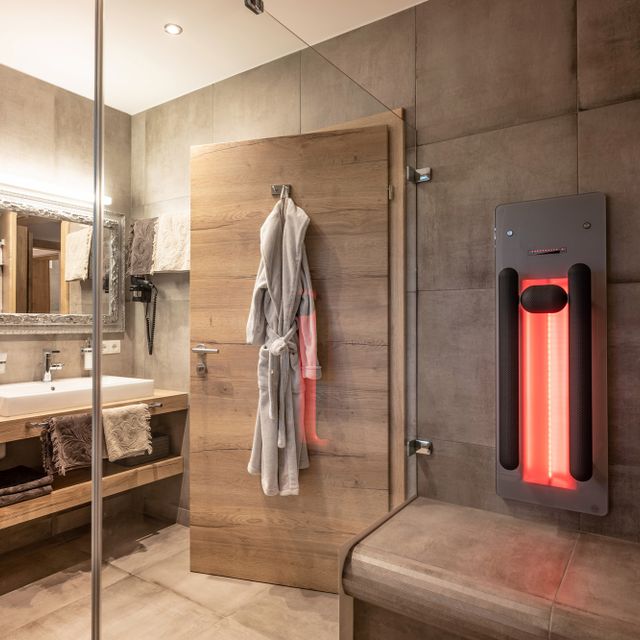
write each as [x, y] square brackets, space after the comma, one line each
[50, 366]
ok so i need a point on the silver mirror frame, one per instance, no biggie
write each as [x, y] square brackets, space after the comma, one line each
[42, 205]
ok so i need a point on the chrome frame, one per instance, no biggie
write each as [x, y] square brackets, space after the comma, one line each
[42, 205]
[96, 335]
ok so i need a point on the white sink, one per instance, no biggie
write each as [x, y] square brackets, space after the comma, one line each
[70, 393]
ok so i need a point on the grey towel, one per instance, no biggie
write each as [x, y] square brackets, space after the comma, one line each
[13, 498]
[19, 479]
[143, 233]
[127, 431]
[66, 443]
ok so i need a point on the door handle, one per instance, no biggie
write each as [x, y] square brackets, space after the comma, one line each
[201, 348]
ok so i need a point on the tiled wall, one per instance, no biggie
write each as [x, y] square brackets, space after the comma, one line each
[46, 138]
[517, 101]
[512, 101]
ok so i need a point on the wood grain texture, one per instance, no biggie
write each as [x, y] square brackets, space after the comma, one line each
[9, 233]
[64, 285]
[25, 426]
[75, 489]
[394, 121]
[340, 179]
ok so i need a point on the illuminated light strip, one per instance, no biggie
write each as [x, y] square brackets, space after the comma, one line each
[549, 401]
[545, 394]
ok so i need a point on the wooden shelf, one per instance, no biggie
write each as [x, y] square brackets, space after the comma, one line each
[22, 427]
[74, 489]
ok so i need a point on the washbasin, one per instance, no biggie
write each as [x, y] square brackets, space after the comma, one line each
[67, 393]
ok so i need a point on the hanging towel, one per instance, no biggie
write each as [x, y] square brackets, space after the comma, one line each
[127, 431]
[14, 498]
[143, 233]
[19, 479]
[172, 247]
[77, 254]
[66, 443]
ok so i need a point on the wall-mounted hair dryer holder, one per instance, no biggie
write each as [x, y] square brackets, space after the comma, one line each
[551, 352]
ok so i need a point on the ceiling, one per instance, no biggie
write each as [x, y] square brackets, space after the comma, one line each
[144, 66]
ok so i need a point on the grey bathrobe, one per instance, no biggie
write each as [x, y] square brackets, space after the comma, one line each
[282, 322]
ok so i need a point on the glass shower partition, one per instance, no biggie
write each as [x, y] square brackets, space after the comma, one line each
[179, 77]
[46, 207]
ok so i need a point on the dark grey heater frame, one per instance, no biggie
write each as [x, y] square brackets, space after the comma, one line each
[552, 238]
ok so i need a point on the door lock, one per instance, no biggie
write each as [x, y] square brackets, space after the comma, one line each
[201, 366]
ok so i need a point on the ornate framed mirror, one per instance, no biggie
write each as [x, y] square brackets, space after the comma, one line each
[46, 277]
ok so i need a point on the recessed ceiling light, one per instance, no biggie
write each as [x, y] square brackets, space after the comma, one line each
[173, 29]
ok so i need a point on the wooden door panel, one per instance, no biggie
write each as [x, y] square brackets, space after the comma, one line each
[344, 323]
[340, 179]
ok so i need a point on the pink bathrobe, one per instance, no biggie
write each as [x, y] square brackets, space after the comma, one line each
[282, 321]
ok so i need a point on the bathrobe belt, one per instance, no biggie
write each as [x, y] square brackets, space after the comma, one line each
[279, 346]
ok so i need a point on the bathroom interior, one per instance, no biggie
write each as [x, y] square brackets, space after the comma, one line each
[320, 319]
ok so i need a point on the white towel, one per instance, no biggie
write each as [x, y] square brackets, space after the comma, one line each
[172, 247]
[77, 254]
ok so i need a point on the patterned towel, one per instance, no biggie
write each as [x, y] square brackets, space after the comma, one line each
[127, 431]
[13, 498]
[143, 234]
[171, 251]
[66, 443]
[19, 479]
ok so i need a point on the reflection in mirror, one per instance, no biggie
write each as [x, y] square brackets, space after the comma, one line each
[46, 277]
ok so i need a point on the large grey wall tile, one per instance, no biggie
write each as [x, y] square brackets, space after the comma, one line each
[260, 103]
[623, 519]
[456, 364]
[473, 175]
[117, 159]
[27, 126]
[381, 57]
[73, 142]
[138, 160]
[608, 51]
[624, 374]
[465, 474]
[329, 97]
[170, 131]
[601, 585]
[490, 64]
[608, 160]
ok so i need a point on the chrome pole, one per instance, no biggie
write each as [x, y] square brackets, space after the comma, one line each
[96, 334]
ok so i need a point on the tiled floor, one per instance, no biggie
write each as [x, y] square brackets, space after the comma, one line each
[149, 592]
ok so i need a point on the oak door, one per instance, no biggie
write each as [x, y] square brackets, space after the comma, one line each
[341, 180]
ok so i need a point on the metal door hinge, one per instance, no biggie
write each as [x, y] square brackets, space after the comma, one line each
[418, 176]
[423, 447]
[257, 6]
[391, 192]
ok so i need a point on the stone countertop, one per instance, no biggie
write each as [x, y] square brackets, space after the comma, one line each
[485, 575]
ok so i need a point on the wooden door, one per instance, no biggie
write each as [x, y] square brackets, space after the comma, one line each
[341, 180]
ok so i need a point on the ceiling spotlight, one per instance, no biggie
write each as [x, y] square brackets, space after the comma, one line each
[173, 29]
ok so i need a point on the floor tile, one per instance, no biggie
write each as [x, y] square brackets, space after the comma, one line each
[132, 608]
[138, 552]
[221, 595]
[41, 598]
[283, 613]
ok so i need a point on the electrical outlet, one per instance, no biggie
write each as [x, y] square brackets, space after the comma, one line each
[109, 347]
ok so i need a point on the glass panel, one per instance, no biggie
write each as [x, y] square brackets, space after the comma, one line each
[46, 133]
[228, 76]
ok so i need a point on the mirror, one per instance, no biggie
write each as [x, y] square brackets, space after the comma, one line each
[46, 265]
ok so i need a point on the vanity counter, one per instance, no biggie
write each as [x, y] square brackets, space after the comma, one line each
[28, 425]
